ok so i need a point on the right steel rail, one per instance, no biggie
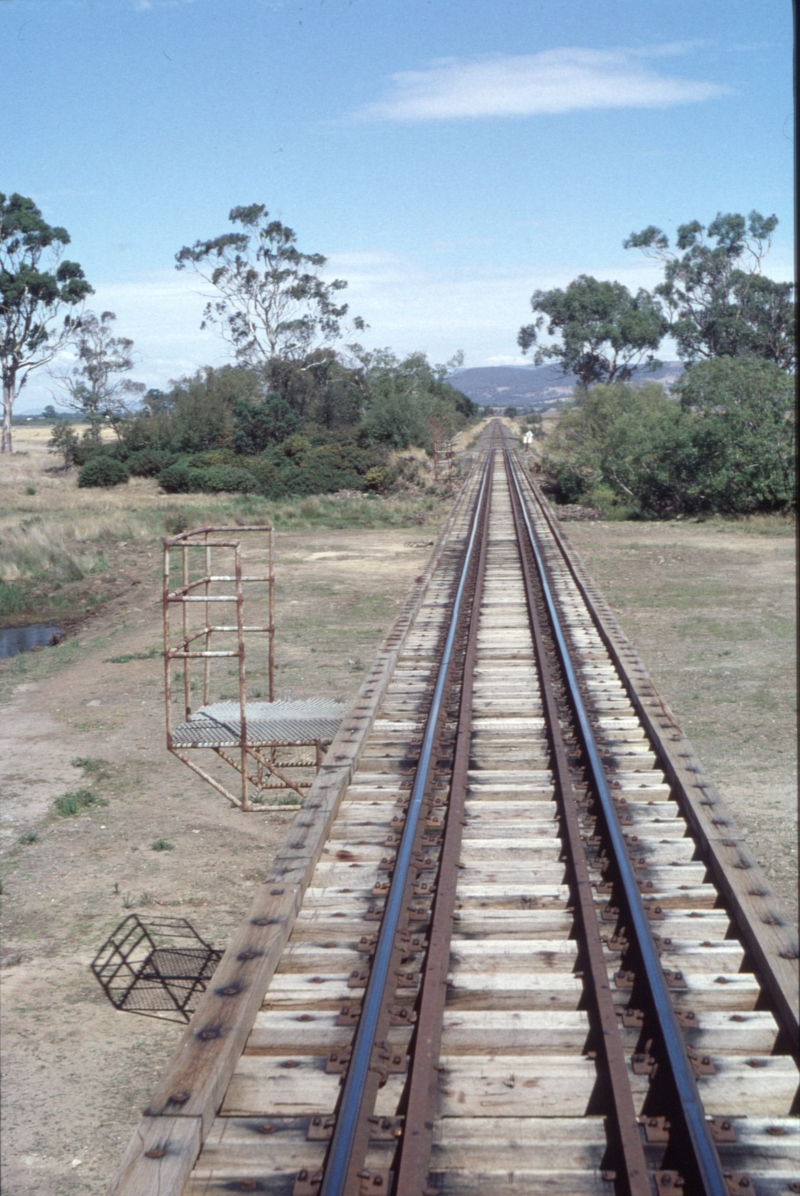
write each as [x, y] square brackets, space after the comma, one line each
[767, 932]
[625, 1133]
[697, 1133]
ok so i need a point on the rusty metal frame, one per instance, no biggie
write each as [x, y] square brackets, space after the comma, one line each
[194, 591]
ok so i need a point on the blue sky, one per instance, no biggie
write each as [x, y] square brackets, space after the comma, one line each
[447, 156]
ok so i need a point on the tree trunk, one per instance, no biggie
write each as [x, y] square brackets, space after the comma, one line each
[8, 407]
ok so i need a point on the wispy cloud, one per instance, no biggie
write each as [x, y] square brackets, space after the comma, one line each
[554, 81]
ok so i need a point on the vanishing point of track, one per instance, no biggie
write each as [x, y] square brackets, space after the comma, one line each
[513, 942]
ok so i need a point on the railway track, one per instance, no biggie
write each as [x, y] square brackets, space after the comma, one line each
[513, 942]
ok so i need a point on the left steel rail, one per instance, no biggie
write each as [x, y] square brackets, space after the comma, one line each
[350, 1138]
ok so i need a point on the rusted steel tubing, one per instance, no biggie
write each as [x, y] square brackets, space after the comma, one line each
[704, 1152]
[338, 1161]
[184, 537]
[628, 1134]
[423, 1085]
[167, 644]
[207, 629]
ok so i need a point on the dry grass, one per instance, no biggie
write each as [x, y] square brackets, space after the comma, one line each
[53, 533]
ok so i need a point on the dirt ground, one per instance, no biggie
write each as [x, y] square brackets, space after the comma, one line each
[710, 607]
[76, 1072]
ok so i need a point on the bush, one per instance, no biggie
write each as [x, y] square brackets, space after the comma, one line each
[375, 478]
[185, 478]
[726, 446]
[148, 463]
[64, 441]
[226, 479]
[739, 453]
[180, 478]
[257, 425]
[103, 470]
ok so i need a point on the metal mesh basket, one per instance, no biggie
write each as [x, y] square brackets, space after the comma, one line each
[158, 968]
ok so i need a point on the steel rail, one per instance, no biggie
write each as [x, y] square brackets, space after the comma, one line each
[338, 1164]
[423, 1085]
[783, 991]
[627, 1144]
[704, 1152]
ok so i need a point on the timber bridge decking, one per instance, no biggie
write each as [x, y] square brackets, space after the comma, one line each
[513, 942]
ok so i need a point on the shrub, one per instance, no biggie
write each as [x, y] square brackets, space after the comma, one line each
[228, 479]
[727, 445]
[740, 450]
[375, 478]
[103, 470]
[64, 441]
[162, 845]
[148, 463]
[185, 478]
[260, 424]
[180, 478]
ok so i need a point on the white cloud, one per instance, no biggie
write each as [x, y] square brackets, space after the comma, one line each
[554, 81]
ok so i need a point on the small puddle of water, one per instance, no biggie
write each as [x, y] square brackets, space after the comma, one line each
[21, 639]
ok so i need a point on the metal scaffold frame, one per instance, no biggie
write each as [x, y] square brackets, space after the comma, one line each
[245, 743]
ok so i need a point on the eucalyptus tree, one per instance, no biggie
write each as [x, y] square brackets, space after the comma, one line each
[604, 330]
[95, 386]
[719, 302]
[39, 292]
[273, 303]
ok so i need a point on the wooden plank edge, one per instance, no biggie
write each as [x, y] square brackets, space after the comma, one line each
[159, 1157]
[192, 1087]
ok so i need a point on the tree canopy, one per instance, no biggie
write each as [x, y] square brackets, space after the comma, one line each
[718, 301]
[605, 331]
[95, 386]
[273, 302]
[37, 287]
[725, 444]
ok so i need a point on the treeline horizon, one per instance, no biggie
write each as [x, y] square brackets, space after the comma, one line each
[295, 429]
[304, 408]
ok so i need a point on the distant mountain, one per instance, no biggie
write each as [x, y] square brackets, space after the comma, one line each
[529, 387]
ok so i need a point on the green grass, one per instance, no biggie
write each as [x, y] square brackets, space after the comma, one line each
[31, 837]
[150, 654]
[73, 803]
[162, 845]
[92, 764]
[12, 599]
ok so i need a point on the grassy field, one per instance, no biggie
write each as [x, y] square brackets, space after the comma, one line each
[57, 541]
